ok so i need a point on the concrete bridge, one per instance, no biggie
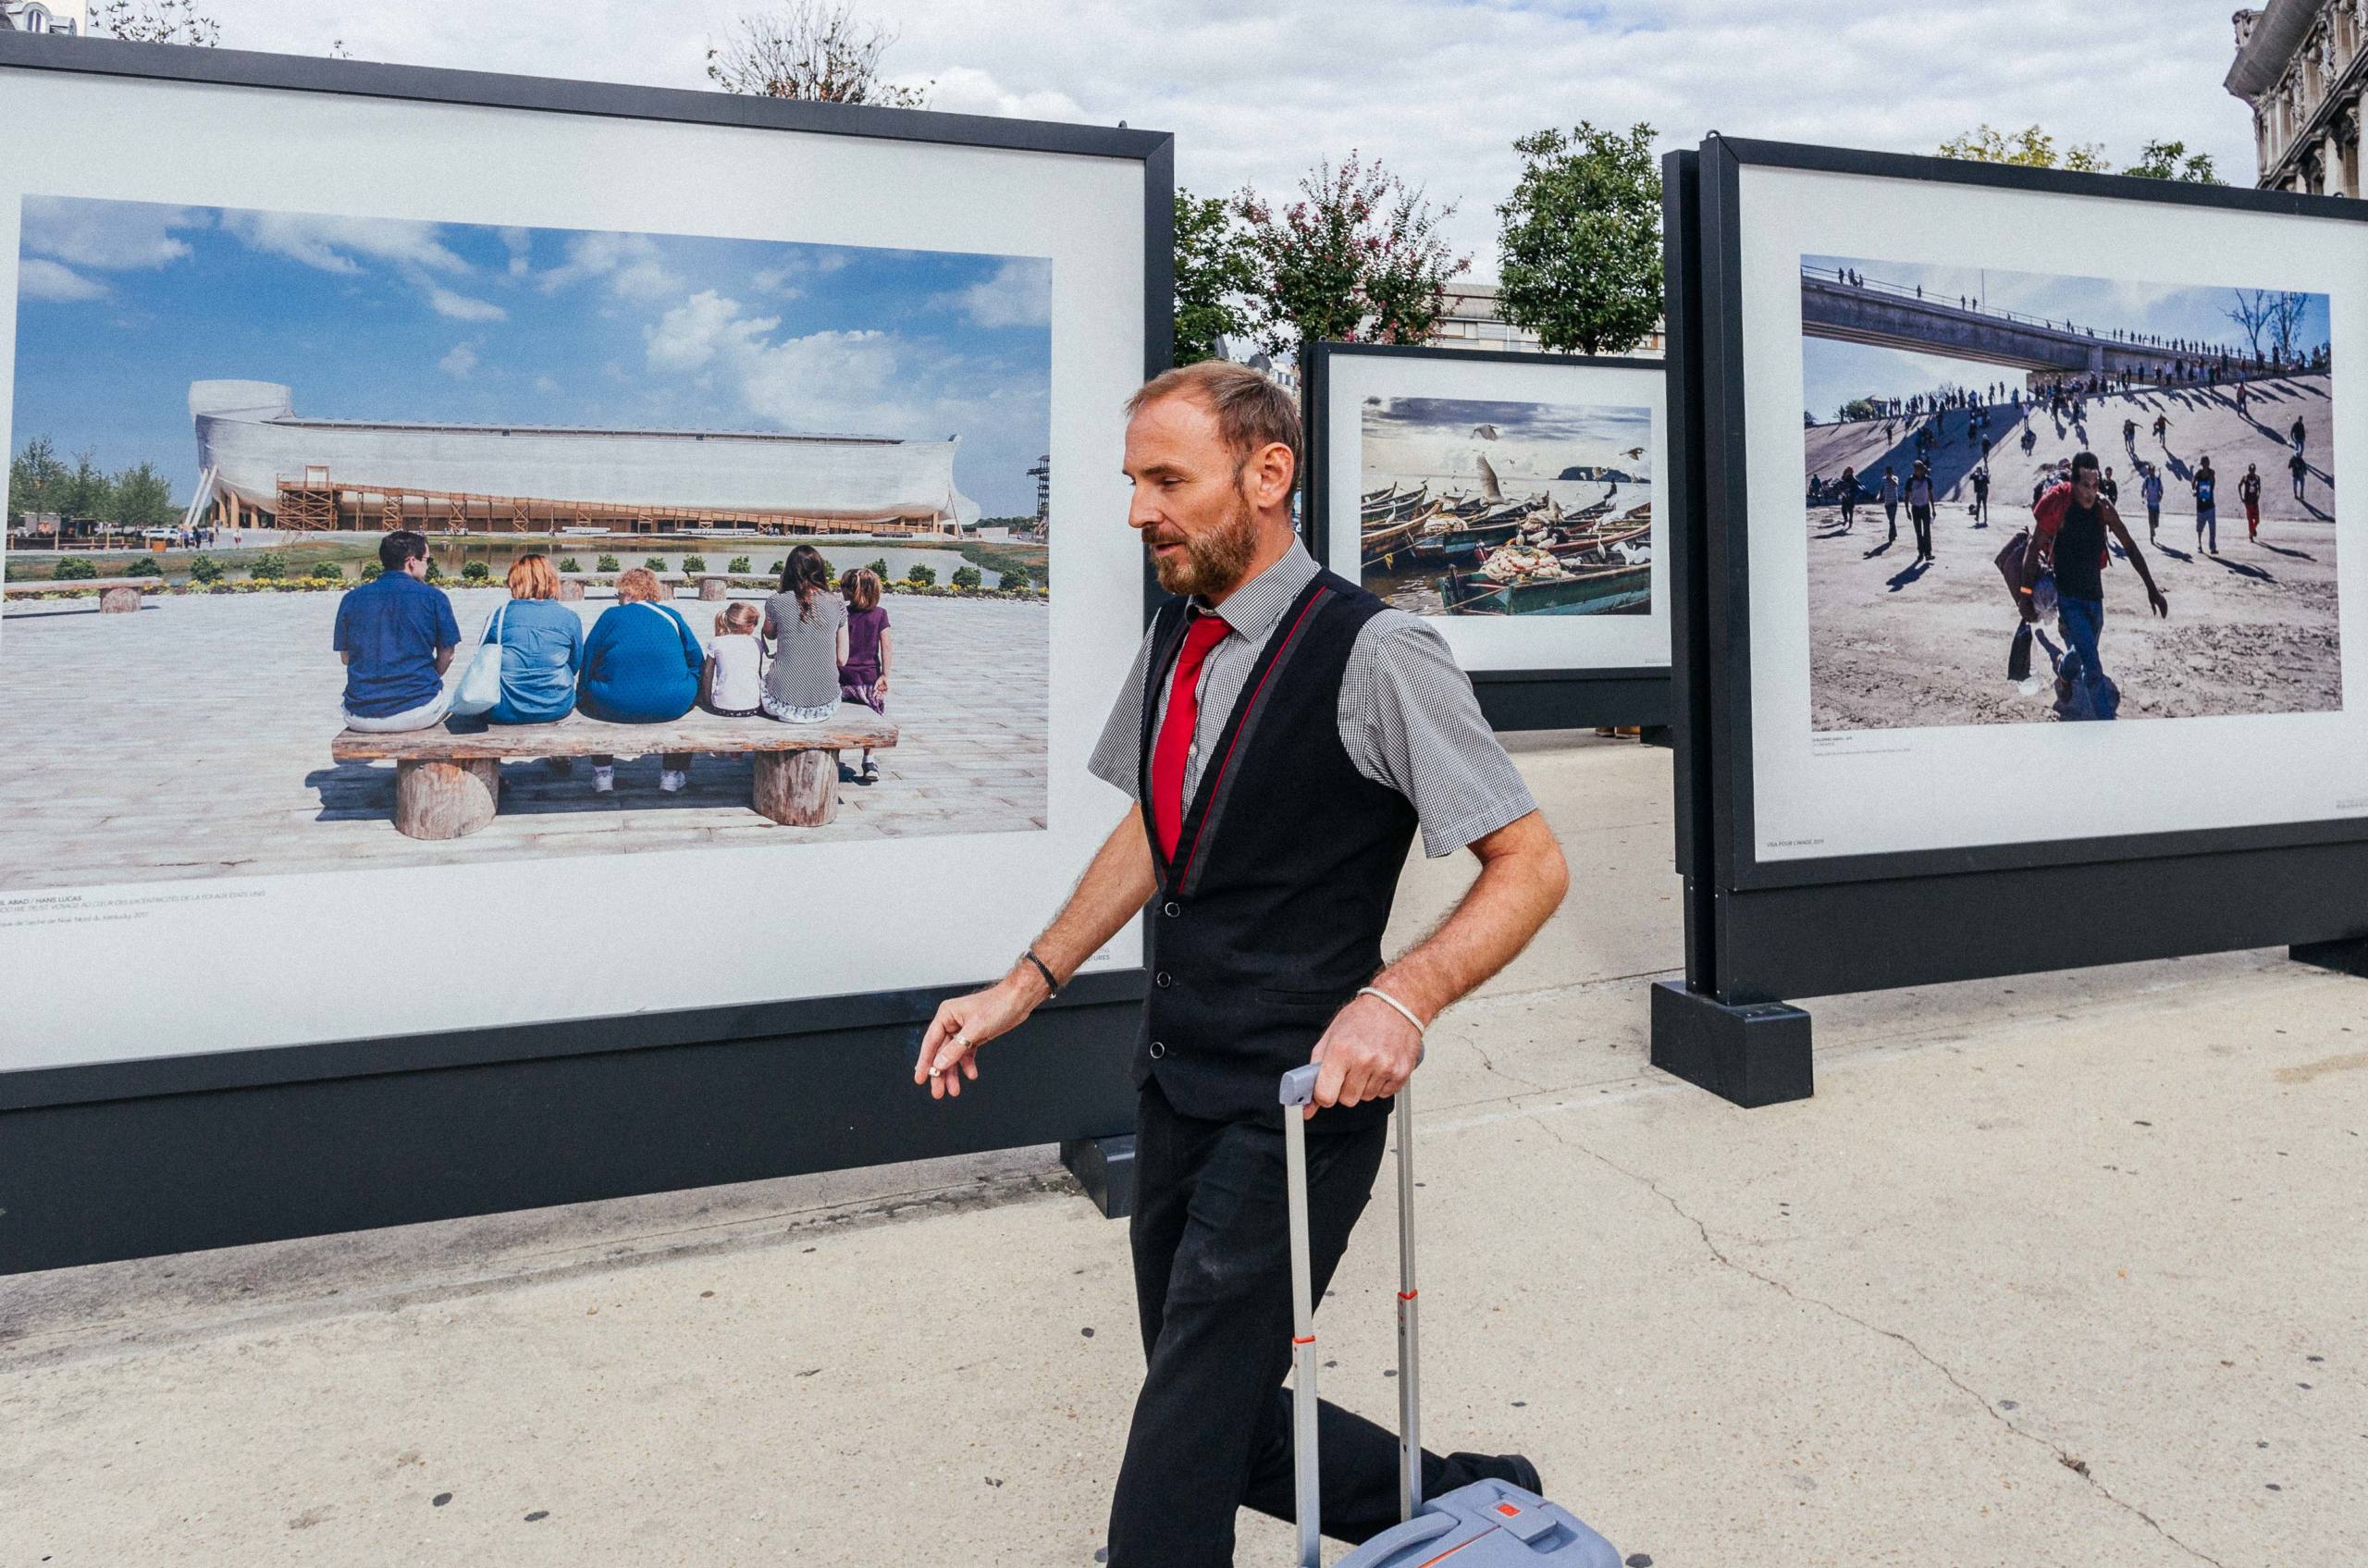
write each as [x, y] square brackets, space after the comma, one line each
[1891, 316]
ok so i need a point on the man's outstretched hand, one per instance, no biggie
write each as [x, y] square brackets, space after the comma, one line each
[950, 1044]
[1367, 1053]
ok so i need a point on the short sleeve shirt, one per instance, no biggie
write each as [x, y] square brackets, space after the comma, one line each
[1407, 716]
[393, 627]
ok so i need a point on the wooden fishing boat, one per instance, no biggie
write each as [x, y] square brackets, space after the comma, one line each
[1395, 506]
[1594, 591]
[1390, 539]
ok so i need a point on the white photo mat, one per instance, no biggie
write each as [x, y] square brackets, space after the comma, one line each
[1817, 795]
[1502, 642]
[161, 969]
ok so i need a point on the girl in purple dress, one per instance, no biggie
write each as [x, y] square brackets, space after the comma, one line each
[864, 677]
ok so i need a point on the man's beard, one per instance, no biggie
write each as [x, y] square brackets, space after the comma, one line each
[1213, 560]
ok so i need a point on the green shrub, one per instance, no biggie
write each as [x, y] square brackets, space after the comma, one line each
[371, 570]
[1011, 580]
[922, 576]
[204, 569]
[693, 564]
[737, 566]
[435, 572]
[965, 577]
[73, 568]
[879, 569]
[145, 566]
[567, 563]
[327, 572]
[656, 564]
[607, 563]
[476, 572]
[776, 569]
[271, 565]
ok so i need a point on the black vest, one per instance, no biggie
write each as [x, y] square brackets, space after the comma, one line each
[1287, 863]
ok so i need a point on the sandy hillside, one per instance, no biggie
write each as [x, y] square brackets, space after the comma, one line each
[2203, 424]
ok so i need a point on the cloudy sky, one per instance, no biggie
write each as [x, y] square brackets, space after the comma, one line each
[1440, 439]
[1256, 91]
[123, 305]
[1835, 372]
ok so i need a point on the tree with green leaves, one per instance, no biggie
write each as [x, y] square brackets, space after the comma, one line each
[140, 497]
[1357, 258]
[1580, 240]
[36, 477]
[1215, 271]
[2171, 160]
[820, 50]
[157, 22]
[2031, 147]
[84, 492]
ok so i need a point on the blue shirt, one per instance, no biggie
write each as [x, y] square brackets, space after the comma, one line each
[542, 647]
[641, 665]
[393, 627]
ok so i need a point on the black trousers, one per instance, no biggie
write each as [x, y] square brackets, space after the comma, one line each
[1213, 1425]
[1922, 517]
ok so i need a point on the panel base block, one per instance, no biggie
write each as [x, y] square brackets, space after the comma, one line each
[1106, 1169]
[2347, 957]
[1754, 1055]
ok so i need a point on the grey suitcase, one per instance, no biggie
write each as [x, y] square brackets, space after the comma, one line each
[1486, 1525]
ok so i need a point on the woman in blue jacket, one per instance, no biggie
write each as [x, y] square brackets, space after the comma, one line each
[641, 666]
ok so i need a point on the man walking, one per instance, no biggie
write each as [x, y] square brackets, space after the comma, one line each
[396, 636]
[1982, 497]
[2248, 491]
[1919, 508]
[2300, 468]
[2072, 522]
[1283, 735]
[1890, 494]
[2206, 484]
[2152, 492]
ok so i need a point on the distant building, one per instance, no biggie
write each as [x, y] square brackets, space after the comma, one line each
[1042, 473]
[2299, 65]
[1472, 322]
[69, 17]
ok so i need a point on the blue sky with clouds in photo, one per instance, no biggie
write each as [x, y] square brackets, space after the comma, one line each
[1834, 373]
[121, 306]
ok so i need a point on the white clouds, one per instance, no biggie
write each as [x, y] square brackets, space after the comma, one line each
[458, 363]
[843, 382]
[460, 307]
[631, 266]
[1019, 294]
[695, 332]
[40, 279]
[110, 236]
[332, 244]
[520, 244]
[546, 386]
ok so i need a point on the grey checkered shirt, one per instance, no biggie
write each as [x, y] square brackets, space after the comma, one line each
[1407, 716]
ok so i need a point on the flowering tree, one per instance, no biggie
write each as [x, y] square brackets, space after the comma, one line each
[821, 50]
[1581, 240]
[1357, 258]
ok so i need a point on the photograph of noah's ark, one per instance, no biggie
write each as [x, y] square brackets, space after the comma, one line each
[1489, 507]
[745, 541]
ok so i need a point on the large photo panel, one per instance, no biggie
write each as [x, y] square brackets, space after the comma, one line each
[622, 374]
[2045, 542]
[1512, 501]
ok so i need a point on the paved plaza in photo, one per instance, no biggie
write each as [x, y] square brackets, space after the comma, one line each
[191, 740]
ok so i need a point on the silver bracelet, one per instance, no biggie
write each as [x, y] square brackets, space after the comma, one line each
[1404, 1011]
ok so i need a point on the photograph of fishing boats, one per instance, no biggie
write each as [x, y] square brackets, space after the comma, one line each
[1487, 507]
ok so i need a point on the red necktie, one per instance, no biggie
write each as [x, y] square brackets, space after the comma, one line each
[1175, 743]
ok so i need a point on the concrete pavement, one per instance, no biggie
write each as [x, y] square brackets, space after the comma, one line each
[2066, 1269]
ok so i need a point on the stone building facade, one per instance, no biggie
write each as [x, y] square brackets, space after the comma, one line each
[2300, 65]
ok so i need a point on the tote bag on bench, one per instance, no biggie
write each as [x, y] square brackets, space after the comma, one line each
[480, 688]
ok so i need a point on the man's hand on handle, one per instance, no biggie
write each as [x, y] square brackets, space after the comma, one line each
[1367, 1053]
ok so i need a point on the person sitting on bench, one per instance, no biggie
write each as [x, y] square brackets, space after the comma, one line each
[641, 666]
[396, 635]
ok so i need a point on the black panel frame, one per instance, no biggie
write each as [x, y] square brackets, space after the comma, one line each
[168, 1153]
[1758, 933]
[1511, 699]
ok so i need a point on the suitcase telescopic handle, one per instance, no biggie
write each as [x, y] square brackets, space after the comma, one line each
[1298, 1089]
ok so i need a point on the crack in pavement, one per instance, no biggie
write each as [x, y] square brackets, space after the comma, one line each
[2063, 1457]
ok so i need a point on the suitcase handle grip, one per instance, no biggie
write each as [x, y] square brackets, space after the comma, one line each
[1406, 1533]
[1299, 1084]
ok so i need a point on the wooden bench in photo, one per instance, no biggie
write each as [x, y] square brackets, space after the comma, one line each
[117, 596]
[447, 779]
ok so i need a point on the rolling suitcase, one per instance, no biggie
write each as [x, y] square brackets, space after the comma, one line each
[1486, 1525]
